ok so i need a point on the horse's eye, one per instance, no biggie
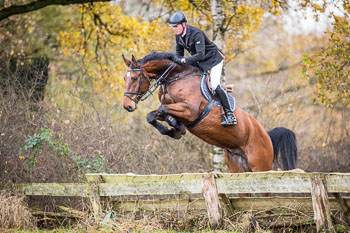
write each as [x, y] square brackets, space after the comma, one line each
[134, 79]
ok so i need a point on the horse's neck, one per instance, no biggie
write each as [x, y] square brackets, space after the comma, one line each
[159, 69]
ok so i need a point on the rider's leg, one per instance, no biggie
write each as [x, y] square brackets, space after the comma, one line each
[215, 74]
[229, 118]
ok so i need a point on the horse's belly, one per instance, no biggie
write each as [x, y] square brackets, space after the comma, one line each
[219, 136]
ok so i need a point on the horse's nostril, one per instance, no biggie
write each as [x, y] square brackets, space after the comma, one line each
[129, 108]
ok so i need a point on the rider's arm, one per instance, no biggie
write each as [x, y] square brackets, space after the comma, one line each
[200, 49]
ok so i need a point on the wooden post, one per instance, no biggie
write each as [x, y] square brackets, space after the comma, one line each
[211, 197]
[320, 203]
[343, 206]
[94, 196]
[229, 207]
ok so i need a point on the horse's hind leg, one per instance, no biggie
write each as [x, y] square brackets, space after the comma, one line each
[260, 158]
[237, 162]
[173, 133]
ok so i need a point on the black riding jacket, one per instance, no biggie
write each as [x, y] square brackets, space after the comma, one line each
[204, 53]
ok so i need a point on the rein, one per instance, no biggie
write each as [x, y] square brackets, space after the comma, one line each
[181, 77]
[152, 88]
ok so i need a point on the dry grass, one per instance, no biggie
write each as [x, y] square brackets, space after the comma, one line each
[14, 212]
[126, 146]
[197, 221]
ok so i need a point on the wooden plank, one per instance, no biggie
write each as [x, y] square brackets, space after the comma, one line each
[302, 204]
[54, 189]
[263, 182]
[131, 184]
[337, 182]
[228, 183]
[210, 194]
[173, 205]
[320, 203]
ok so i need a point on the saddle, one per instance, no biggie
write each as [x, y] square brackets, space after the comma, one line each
[207, 92]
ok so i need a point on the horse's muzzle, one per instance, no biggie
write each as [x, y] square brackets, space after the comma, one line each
[129, 108]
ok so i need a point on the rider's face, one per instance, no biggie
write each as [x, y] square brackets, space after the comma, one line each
[178, 29]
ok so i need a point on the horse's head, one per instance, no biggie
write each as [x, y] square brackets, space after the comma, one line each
[136, 84]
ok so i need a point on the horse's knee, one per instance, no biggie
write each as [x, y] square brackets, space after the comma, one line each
[161, 110]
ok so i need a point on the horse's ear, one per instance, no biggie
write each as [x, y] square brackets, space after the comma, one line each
[127, 61]
[134, 61]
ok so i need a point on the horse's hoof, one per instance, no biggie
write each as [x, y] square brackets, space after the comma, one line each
[173, 133]
[177, 136]
[182, 131]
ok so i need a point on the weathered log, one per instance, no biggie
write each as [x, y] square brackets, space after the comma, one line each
[95, 200]
[322, 213]
[211, 197]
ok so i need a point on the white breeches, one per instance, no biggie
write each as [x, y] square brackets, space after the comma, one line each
[215, 75]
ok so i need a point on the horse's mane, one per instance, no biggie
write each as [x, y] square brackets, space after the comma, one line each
[161, 56]
[157, 56]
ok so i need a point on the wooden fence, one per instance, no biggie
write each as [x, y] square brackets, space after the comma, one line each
[215, 188]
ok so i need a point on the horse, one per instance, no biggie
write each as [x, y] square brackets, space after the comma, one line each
[248, 146]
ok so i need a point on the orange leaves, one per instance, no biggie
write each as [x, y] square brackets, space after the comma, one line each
[102, 35]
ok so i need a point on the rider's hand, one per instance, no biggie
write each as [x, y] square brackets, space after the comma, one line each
[179, 60]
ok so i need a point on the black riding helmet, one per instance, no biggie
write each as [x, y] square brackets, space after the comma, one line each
[177, 18]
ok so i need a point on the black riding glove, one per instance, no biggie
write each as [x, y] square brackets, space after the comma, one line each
[179, 60]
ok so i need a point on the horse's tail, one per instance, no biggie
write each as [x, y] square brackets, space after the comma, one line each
[284, 148]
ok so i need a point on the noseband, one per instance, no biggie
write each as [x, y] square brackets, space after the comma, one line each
[151, 89]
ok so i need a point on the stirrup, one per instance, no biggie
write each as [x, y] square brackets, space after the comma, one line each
[229, 119]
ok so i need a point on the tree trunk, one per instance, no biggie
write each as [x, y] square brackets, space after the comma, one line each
[219, 40]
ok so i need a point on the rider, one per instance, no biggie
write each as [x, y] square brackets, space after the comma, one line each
[204, 54]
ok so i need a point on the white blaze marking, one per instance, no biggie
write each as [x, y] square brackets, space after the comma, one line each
[128, 74]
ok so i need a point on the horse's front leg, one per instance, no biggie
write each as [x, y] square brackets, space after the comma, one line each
[169, 112]
[173, 133]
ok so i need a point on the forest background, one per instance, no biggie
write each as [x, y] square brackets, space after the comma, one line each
[282, 75]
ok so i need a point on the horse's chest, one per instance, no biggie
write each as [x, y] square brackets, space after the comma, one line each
[167, 99]
[172, 95]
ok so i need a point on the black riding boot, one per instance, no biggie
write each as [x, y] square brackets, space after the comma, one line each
[229, 118]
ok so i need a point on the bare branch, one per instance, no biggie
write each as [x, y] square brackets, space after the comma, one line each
[38, 4]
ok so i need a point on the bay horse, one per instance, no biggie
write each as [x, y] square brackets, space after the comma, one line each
[248, 146]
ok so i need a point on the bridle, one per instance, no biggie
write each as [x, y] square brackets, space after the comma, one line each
[138, 96]
[151, 89]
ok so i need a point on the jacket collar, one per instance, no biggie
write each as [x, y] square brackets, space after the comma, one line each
[187, 35]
